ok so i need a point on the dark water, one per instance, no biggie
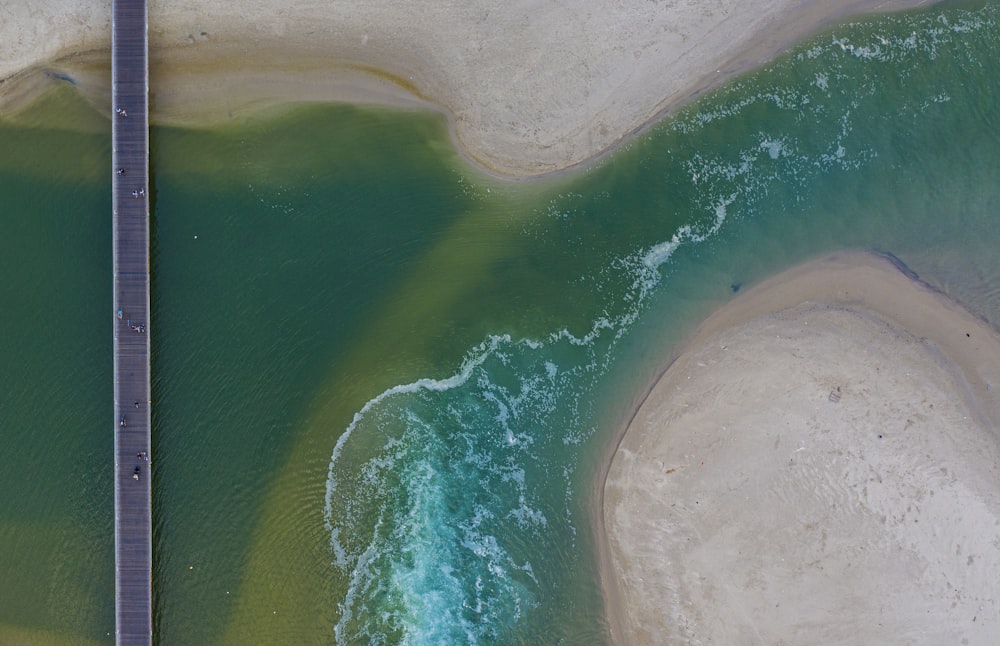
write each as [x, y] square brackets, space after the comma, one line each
[383, 383]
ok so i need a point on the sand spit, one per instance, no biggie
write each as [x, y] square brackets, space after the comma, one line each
[530, 86]
[820, 465]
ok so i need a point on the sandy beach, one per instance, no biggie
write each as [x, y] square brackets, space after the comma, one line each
[529, 87]
[819, 465]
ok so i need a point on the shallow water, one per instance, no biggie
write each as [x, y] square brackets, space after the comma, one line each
[383, 382]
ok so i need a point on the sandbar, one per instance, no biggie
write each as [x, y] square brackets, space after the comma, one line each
[819, 464]
[530, 87]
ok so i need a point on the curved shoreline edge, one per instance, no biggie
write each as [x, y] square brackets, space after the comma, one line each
[885, 302]
[529, 89]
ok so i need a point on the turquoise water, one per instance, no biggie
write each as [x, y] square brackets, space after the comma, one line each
[384, 383]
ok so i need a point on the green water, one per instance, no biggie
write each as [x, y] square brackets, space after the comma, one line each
[383, 382]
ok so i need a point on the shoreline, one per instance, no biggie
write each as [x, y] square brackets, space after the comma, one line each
[884, 302]
[529, 91]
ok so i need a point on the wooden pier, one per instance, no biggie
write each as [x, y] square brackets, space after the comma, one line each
[130, 203]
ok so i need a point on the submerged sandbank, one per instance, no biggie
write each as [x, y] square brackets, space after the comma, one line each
[820, 464]
[529, 87]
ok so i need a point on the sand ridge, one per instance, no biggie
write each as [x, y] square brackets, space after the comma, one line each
[530, 86]
[820, 465]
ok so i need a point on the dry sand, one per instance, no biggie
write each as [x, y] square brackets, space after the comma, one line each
[820, 465]
[530, 86]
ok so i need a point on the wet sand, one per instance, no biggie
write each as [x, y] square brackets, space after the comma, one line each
[529, 87]
[820, 464]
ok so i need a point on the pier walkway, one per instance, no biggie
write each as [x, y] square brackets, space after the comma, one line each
[130, 203]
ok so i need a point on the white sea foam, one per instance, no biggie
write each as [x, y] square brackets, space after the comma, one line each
[473, 359]
[426, 487]
[513, 410]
